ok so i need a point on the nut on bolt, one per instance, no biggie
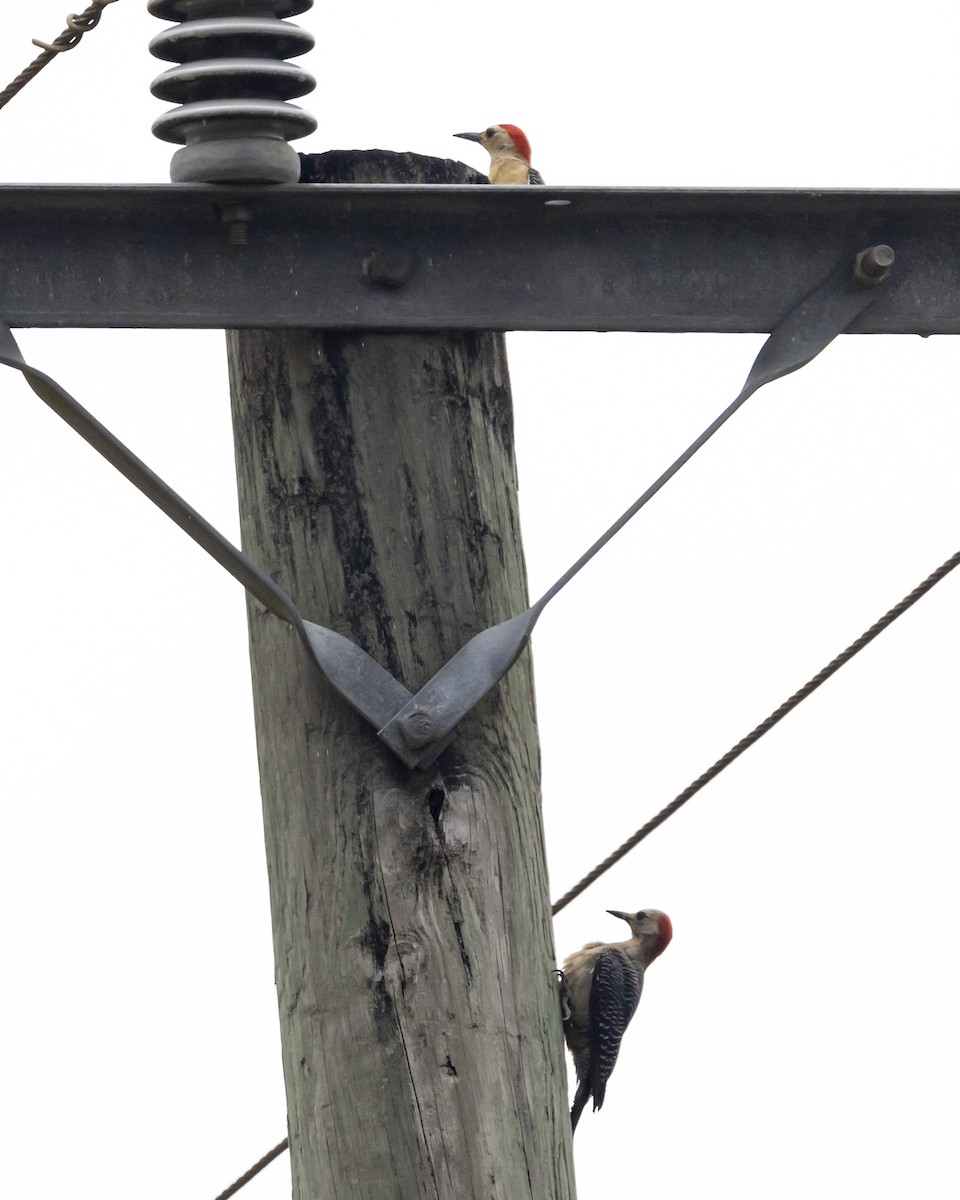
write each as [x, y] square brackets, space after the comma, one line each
[873, 265]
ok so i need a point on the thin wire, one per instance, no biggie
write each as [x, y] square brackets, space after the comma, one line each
[77, 26]
[761, 729]
[255, 1170]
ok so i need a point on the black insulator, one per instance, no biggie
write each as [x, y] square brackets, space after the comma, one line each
[232, 86]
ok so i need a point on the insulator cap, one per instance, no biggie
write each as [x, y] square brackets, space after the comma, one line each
[195, 10]
[232, 86]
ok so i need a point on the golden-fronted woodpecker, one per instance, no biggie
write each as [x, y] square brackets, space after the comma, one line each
[509, 153]
[600, 990]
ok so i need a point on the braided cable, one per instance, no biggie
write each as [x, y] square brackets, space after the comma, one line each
[77, 25]
[254, 1170]
[745, 743]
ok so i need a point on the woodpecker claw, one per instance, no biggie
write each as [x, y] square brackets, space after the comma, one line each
[564, 993]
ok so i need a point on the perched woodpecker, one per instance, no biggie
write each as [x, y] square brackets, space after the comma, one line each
[600, 990]
[509, 153]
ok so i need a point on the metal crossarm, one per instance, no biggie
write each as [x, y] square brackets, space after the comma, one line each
[405, 257]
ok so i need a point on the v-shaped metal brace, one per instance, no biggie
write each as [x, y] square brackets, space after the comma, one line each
[417, 728]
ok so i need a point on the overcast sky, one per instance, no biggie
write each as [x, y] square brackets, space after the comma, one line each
[800, 1035]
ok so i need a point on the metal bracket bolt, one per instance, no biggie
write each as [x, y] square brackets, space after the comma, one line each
[391, 268]
[237, 219]
[418, 727]
[873, 265]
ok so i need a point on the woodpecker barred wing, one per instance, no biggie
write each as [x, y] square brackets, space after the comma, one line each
[534, 176]
[614, 996]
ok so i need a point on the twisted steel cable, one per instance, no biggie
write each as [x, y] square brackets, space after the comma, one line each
[254, 1170]
[745, 743]
[77, 25]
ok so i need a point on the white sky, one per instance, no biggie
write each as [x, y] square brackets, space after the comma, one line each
[800, 1034]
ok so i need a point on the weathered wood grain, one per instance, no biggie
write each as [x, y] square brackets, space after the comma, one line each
[421, 1036]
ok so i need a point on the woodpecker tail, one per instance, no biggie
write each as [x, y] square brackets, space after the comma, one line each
[579, 1101]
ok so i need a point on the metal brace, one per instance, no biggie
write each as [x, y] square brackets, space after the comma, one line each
[807, 329]
[417, 728]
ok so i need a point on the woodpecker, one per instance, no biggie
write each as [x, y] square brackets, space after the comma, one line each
[600, 990]
[509, 153]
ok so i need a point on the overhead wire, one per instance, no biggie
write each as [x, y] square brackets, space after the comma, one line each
[764, 727]
[77, 25]
[254, 1170]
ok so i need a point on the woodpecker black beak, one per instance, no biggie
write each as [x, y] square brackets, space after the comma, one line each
[623, 916]
[471, 137]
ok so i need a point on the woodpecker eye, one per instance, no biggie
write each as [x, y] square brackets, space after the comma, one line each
[641, 916]
[490, 132]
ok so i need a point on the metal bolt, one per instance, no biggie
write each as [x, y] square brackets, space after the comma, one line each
[392, 268]
[418, 727]
[873, 265]
[237, 219]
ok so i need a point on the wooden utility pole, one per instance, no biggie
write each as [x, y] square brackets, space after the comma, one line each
[421, 1035]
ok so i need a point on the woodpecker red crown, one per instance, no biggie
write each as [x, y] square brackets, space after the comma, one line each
[666, 933]
[519, 139]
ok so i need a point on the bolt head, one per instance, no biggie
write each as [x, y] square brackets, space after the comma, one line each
[418, 727]
[389, 268]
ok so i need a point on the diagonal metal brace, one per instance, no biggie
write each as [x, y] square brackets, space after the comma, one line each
[362, 682]
[420, 727]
